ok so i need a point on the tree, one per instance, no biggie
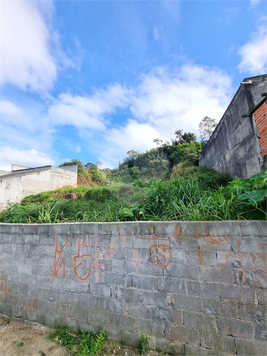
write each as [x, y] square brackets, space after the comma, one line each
[157, 141]
[186, 137]
[79, 163]
[206, 127]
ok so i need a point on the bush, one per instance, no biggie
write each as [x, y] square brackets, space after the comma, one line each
[98, 194]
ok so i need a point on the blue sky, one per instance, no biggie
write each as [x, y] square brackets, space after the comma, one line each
[94, 79]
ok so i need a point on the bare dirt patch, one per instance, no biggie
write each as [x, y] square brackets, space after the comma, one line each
[22, 339]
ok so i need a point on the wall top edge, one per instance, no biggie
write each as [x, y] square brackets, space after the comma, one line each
[142, 222]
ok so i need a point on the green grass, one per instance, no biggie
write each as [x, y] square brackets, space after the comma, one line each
[196, 197]
[82, 343]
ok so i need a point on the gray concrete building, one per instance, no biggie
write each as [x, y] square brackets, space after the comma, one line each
[23, 181]
[238, 144]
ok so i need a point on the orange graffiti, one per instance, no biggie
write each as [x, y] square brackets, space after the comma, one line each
[76, 265]
[57, 255]
[159, 258]
[178, 235]
[157, 255]
[155, 236]
[211, 240]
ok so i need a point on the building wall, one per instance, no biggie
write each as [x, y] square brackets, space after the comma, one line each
[260, 117]
[19, 184]
[234, 146]
[195, 288]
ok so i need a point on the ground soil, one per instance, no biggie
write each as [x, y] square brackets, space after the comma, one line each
[22, 339]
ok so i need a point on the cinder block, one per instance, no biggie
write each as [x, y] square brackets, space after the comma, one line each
[18, 239]
[102, 290]
[130, 338]
[172, 348]
[251, 245]
[195, 288]
[235, 327]
[31, 229]
[108, 228]
[24, 268]
[215, 274]
[218, 342]
[261, 332]
[32, 239]
[145, 282]
[220, 307]
[147, 269]
[157, 329]
[114, 333]
[138, 310]
[83, 229]
[140, 325]
[199, 351]
[180, 270]
[199, 321]
[10, 249]
[171, 285]
[187, 302]
[128, 294]
[253, 228]
[179, 255]
[183, 335]
[154, 298]
[116, 279]
[250, 347]
[5, 238]
[5, 229]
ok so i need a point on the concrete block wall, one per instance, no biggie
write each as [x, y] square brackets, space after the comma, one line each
[195, 288]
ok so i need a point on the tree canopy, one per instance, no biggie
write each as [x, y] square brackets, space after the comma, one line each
[206, 127]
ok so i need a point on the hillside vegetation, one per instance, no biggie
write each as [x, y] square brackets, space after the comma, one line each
[164, 183]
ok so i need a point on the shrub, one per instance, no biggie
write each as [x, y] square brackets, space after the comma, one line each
[98, 194]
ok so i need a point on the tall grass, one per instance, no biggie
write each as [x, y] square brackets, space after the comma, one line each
[175, 199]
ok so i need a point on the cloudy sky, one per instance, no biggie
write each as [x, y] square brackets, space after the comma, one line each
[94, 79]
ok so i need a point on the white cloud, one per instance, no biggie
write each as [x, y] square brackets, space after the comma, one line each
[164, 102]
[136, 136]
[88, 111]
[255, 2]
[169, 101]
[26, 41]
[254, 52]
[29, 158]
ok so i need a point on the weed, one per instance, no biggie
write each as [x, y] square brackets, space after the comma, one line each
[6, 320]
[144, 344]
[90, 343]
[64, 336]
[20, 344]
[84, 343]
[98, 194]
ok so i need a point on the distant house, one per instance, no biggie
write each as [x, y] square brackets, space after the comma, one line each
[238, 145]
[23, 181]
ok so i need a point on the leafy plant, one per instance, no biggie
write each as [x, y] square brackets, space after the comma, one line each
[98, 194]
[85, 343]
[144, 344]
[91, 343]
[64, 336]
[248, 196]
[47, 214]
